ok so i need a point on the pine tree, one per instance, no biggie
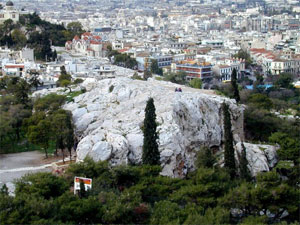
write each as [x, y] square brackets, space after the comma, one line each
[205, 158]
[244, 171]
[229, 150]
[150, 147]
[236, 93]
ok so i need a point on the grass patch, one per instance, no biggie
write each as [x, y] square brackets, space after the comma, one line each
[284, 164]
[159, 78]
[23, 145]
[70, 97]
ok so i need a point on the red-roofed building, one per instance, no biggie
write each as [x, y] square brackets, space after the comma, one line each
[14, 70]
[88, 44]
[276, 63]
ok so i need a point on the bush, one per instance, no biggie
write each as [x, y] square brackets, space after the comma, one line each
[260, 101]
[136, 77]
[205, 158]
[43, 185]
[49, 102]
[78, 81]
[166, 212]
[196, 83]
[111, 88]
[178, 78]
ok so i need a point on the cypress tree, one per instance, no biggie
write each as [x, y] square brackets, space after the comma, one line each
[82, 192]
[244, 171]
[150, 147]
[229, 150]
[236, 93]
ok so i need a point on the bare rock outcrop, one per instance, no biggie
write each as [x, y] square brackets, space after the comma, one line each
[261, 158]
[109, 119]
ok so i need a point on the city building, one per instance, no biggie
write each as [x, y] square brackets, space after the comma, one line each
[194, 69]
[9, 12]
[88, 44]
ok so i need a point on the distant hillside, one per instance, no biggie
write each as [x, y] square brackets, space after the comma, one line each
[33, 32]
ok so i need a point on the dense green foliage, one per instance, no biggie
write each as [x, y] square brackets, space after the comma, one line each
[33, 32]
[229, 160]
[64, 79]
[33, 124]
[155, 68]
[139, 195]
[121, 59]
[234, 85]
[242, 54]
[150, 147]
[196, 83]
[177, 78]
[15, 106]
[243, 166]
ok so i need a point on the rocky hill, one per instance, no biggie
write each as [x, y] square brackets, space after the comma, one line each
[109, 120]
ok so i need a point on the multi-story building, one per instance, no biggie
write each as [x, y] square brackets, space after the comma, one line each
[224, 71]
[276, 63]
[193, 69]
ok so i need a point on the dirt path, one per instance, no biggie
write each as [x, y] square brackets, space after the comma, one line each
[14, 166]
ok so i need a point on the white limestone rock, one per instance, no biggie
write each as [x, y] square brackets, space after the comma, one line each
[261, 158]
[186, 121]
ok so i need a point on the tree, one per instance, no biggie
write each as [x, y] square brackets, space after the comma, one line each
[18, 38]
[289, 146]
[41, 135]
[63, 70]
[64, 79]
[155, 68]
[78, 81]
[196, 83]
[205, 158]
[65, 83]
[147, 74]
[69, 138]
[229, 159]
[82, 192]
[34, 79]
[285, 80]
[17, 114]
[260, 101]
[178, 78]
[22, 90]
[234, 85]
[63, 129]
[54, 55]
[50, 102]
[244, 170]
[151, 154]
[244, 55]
[75, 28]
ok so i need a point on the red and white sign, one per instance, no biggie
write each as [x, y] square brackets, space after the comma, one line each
[87, 183]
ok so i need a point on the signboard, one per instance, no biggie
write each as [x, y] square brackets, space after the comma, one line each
[87, 183]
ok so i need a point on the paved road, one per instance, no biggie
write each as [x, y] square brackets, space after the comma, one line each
[14, 166]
